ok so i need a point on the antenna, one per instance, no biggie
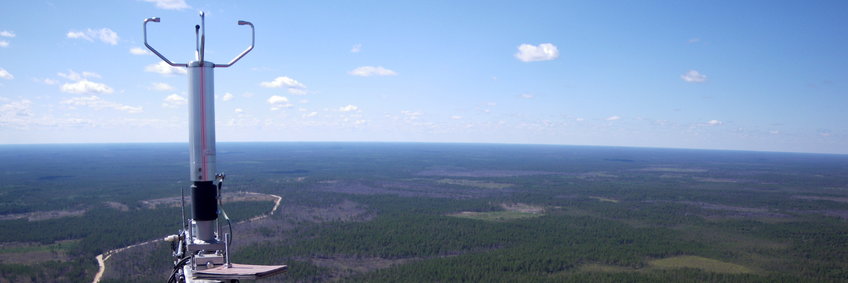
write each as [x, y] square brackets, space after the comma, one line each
[201, 250]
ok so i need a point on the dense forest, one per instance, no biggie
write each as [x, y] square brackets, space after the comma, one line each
[439, 212]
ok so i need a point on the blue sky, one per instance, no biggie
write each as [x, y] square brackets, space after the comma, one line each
[743, 75]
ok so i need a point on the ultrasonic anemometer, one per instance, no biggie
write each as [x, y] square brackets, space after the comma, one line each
[201, 249]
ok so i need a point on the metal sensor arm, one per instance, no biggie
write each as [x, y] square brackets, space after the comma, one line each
[156, 19]
[252, 41]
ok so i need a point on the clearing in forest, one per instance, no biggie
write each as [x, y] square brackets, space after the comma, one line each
[510, 212]
[702, 263]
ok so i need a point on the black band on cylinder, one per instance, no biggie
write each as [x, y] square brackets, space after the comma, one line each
[204, 201]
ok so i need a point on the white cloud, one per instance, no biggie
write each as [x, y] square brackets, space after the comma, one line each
[16, 114]
[456, 117]
[410, 115]
[47, 81]
[6, 33]
[348, 108]
[283, 82]
[139, 51]
[693, 76]
[527, 96]
[227, 96]
[297, 91]
[14, 111]
[276, 99]
[161, 87]
[164, 69]
[105, 35]
[613, 118]
[4, 43]
[542, 52]
[5, 74]
[97, 103]
[294, 87]
[91, 75]
[170, 4]
[238, 110]
[173, 100]
[367, 71]
[714, 122]
[85, 86]
[278, 102]
[74, 76]
[310, 114]
[356, 48]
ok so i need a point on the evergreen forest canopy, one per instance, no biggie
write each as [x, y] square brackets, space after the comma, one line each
[401, 212]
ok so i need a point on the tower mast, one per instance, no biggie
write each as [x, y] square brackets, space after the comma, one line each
[200, 251]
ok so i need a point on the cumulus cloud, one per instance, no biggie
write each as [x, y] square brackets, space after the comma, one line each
[104, 35]
[97, 103]
[613, 118]
[161, 87]
[74, 76]
[6, 33]
[15, 109]
[138, 51]
[85, 86]
[47, 81]
[16, 114]
[410, 115]
[714, 122]
[310, 114]
[227, 96]
[356, 48]
[278, 102]
[367, 71]
[456, 117]
[238, 110]
[693, 76]
[4, 43]
[283, 82]
[173, 100]
[297, 91]
[541, 52]
[170, 4]
[348, 108]
[164, 69]
[527, 96]
[5, 74]
[294, 87]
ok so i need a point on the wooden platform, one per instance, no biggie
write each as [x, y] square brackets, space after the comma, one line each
[240, 271]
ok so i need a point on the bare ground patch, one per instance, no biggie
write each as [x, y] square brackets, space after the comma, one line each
[474, 183]
[462, 172]
[342, 266]
[738, 211]
[675, 262]
[289, 217]
[43, 215]
[836, 199]
[34, 253]
[512, 211]
[603, 199]
[117, 206]
[228, 197]
[411, 188]
[672, 170]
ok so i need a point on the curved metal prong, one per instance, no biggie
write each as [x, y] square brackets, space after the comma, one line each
[156, 20]
[252, 41]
